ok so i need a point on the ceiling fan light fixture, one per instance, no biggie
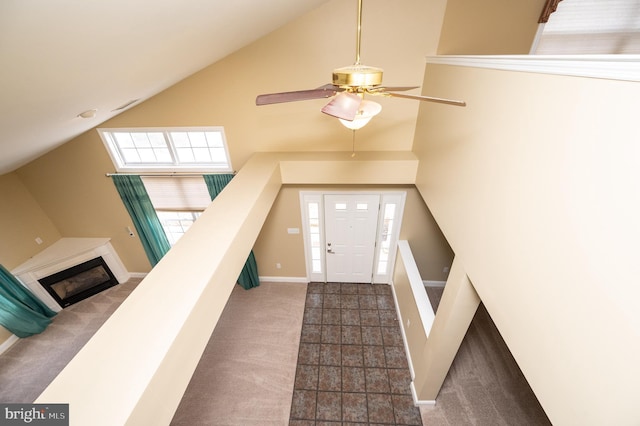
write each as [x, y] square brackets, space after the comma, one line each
[368, 110]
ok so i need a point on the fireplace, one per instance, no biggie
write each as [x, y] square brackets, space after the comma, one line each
[72, 269]
[79, 282]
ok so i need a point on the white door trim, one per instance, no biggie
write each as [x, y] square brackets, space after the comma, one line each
[315, 251]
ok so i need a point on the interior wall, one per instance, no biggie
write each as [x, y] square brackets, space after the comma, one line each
[535, 186]
[489, 27]
[70, 185]
[22, 220]
[418, 227]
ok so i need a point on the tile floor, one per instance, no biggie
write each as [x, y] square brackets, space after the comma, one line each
[351, 368]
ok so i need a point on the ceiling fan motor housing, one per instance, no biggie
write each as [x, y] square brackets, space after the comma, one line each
[357, 76]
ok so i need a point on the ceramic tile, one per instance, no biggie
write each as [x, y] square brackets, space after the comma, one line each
[405, 412]
[371, 336]
[329, 406]
[331, 316]
[352, 356]
[350, 317]
[354, 407]
[369, 317]
[309, 353]
[331, 334]
[376, 380]
[303, 405]
[310, 333]
[351, 335]
[373, 356]
[353, 379]
[306, 377]
[349, 301]
[391, 336]
[367, 301]
[380, 408]
[330, 378]
[330, 355]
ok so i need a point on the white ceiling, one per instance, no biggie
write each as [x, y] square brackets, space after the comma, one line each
[60, 58]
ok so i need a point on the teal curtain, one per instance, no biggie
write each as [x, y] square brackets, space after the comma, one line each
[249, 276]
[136, 200]
[20, 311]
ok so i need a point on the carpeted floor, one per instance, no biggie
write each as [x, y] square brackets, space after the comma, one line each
[28, 366]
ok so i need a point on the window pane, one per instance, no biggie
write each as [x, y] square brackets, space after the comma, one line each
[313, 210]
[157, 140]
[315, 253]
[140, 140]
[123, 140]
[197, 139]
[185, 155]
[131, 155]
[180, 139]
[362, 206]
[163, 156]
[175, 224]
[214, 139]
[147, 155]
[218, 155]
[201, 155]
[341, 206]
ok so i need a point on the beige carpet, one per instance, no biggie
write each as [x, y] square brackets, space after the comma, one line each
[246, 374]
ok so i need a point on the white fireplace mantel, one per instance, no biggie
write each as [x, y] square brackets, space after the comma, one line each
[63, 254]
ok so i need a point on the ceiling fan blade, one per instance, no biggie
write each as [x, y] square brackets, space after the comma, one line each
[344, 106]
[300, 95]
[424, 98]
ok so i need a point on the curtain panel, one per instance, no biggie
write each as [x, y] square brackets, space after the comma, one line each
[144, 217]
[20, 311]
[249, 275]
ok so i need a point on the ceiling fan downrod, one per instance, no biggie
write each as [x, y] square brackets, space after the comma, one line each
[359, 32]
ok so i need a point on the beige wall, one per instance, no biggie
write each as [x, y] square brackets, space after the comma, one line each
[489, 27]
[70, 185]
[275, 245]
[22, 220]
[535, 186]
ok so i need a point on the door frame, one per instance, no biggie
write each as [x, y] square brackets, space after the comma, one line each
[315, 255]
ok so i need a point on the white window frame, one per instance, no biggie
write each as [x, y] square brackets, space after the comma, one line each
[175, 166]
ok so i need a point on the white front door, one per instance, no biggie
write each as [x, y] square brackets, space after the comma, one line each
[351, 222]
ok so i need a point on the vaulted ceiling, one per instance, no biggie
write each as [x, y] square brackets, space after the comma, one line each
[62, 58]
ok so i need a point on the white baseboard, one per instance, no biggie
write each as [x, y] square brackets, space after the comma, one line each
[428, 283]
[138, 274]
[416, 401]
[8, 343]
[300, 280]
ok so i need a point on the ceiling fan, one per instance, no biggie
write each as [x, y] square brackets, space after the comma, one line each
[348, 88]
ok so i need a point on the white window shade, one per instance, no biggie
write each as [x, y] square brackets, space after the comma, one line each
[592, 27]
[177, 193]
